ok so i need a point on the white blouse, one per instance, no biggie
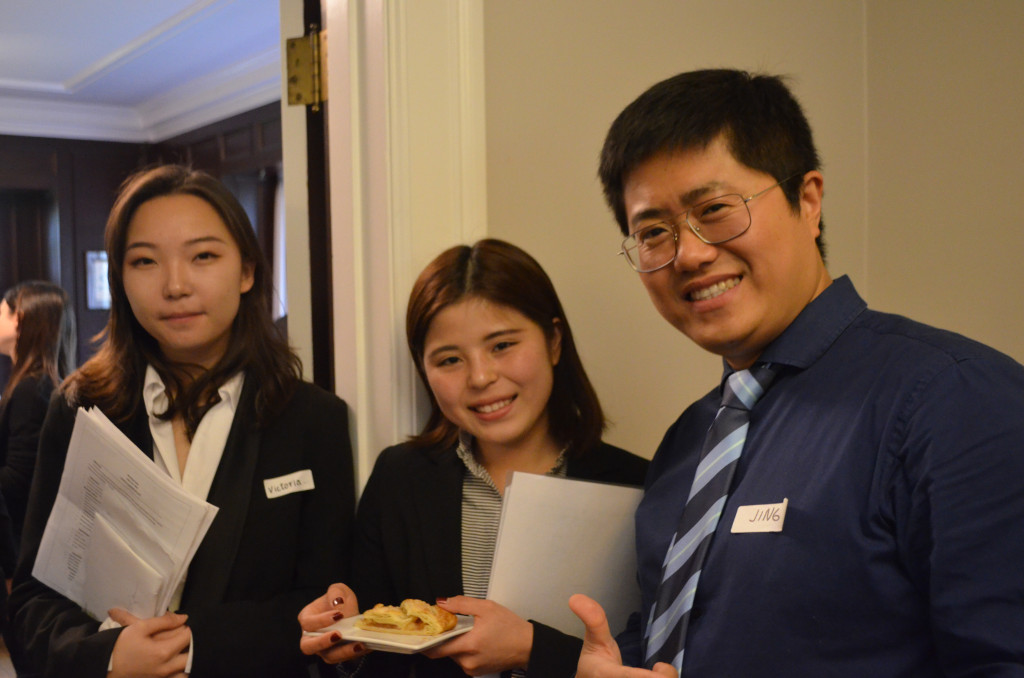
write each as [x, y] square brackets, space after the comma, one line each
[204, 454]
[207, 444]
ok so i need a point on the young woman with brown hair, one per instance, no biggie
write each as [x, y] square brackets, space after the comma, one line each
[37, 332]
[193, 370]
[508, 392]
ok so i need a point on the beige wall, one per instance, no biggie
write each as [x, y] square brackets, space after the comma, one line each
[559, 72]
[945, 229]
[917, 110]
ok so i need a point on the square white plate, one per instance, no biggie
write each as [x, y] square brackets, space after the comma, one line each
[392, 642]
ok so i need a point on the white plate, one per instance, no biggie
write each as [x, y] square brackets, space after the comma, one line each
[392, 642]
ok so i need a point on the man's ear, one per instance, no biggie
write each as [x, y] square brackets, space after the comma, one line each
[811, 192]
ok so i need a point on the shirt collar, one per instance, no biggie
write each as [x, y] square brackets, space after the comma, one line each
[815, 328]
[465, 452]
[154, 393]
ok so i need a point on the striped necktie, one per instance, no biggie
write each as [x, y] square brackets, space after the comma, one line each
[665, 636]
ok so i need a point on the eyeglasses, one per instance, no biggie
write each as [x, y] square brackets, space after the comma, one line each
[714, 221]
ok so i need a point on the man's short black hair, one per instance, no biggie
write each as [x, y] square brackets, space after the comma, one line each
[759, 118]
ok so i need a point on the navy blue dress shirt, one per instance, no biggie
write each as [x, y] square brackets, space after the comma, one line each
[900, 448]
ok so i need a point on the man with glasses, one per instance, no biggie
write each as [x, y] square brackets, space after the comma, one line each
[865, 508]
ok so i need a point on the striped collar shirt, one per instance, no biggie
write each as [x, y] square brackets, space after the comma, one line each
[481, 514]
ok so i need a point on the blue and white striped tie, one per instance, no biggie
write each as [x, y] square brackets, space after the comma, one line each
[665, 637]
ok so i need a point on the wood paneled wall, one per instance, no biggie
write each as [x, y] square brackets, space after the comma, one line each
[55, 195]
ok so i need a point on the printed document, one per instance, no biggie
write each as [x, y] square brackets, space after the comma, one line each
[121, 533]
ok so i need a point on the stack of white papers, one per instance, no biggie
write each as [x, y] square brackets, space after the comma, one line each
[558, 537]
[122, 533]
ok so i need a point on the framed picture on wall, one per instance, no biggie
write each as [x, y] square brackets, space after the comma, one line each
[97, 290]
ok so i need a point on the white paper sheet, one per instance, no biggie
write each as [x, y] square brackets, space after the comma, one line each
[121, 532]
[559, 537]
[136, 589]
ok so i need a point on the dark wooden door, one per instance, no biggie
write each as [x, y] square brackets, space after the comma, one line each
[25, 236]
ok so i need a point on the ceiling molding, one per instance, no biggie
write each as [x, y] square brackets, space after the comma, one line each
[229, 91]
[144, 43]
[19, 85]
[25, 116]
[235, 89]
[138, 76]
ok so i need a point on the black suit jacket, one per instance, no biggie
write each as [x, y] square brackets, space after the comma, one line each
[21, 418]
[260, 563]
[408, 544]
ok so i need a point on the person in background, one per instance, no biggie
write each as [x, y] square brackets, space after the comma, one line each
[508, 392]
[194, 372]
[37, 332]
[889, 452]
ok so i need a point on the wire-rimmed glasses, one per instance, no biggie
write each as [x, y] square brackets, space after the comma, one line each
[714, 221]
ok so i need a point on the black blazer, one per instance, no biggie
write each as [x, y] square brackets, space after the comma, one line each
[21, 418]
[260, 563]
[408, 544]
[8, 557]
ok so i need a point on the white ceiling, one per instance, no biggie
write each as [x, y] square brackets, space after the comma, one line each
[134, 70]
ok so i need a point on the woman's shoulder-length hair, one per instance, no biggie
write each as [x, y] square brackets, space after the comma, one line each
[47, 334]
[503, 274]
[112, 379]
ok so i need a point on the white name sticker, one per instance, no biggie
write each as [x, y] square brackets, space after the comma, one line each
[760, 518]
[300, 481]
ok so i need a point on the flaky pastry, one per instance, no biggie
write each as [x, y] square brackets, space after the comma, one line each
[412, 618]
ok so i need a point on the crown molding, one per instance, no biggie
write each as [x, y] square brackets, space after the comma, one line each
[163, 32]
[193, 15]
[229, 91]
[232, 90]
[42, 86]
[38, 117]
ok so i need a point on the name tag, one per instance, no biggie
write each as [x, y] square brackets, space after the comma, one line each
[760, 518]
[300, 481]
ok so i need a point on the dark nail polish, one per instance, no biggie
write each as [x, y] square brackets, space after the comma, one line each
[359, 647]
[335, 637]
[337, 601]
[336, 616]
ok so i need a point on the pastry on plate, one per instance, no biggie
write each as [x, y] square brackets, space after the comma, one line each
[413, 618]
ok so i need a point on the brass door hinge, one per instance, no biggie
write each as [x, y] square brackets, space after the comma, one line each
[307, 73]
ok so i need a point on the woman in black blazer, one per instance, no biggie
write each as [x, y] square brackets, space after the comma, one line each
[508, 393]
[37, 332]
[193, 371]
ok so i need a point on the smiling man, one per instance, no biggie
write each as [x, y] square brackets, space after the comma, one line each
[848, 501]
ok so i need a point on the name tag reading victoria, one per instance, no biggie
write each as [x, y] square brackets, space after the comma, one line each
[300, 481]
[760, 518]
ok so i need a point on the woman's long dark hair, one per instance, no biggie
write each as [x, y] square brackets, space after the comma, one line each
[112, 379]
[503, 274]
[46, 332]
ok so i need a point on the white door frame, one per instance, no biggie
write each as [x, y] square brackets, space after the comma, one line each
[407, 160]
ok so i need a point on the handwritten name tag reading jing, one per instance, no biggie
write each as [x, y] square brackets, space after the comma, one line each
[760, 518]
